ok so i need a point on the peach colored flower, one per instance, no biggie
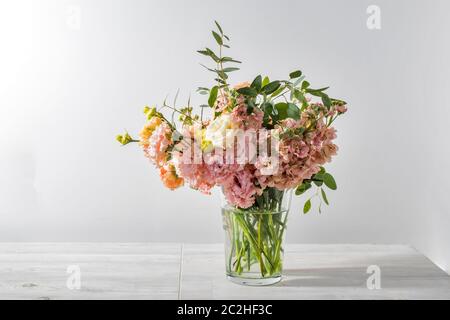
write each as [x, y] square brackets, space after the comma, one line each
[169, 176]
[240, 85]
[147, 131]
[159, 141]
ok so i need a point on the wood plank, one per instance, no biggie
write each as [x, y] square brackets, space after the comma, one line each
[108, 270]
[320, 272]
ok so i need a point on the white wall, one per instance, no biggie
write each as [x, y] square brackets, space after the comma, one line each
[65, 94]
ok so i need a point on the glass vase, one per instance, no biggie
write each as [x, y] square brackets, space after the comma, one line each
[254, 238]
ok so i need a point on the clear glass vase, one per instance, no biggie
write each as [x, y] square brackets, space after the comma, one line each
[254, 238]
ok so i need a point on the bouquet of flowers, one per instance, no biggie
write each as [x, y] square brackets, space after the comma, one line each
[263, 139]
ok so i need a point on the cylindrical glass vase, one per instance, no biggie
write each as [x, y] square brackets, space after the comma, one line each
[254, 238]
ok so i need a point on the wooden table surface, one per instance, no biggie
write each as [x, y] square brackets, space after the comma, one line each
[196, 271]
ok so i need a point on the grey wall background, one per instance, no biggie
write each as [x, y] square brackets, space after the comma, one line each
[66, 92]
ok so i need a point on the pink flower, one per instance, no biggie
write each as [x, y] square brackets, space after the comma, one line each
[159, 141]
[341, 109]
[222, 102]
[240, 85]
[244, 120]
[241, 190]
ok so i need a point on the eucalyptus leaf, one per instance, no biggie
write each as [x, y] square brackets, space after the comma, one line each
[305, 186]
[229, 59]
[307, 206]
[278, 91]
[271, 87]
[248, 91]
[257, 82]
[305, 84]
[295, 74]
[287, 110]
[213, 96]
[293, 111]
[217, 37]
[230, 69]
[318, 183]
[218, 27]
[329, 181]
[324, 197]
[325, 100]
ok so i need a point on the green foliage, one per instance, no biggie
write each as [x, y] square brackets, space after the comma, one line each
[329, 181]
[271, 87]
[287, 110]
[257, 83]
[213, 96]
[248, 91]
[218, 38]
[324, 196]
[319, 179]
[295, 74]
[218, 59]
[307, 206]
[301, 189]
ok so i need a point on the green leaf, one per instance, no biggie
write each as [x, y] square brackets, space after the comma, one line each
[324, 197]
[221, 74]
[257, 82]
[265, 81]
[230, 69]
[217, 37]
[305, 84]
[218, 27]
[326, 100]
[318, 183]
[281, 108]
[305, 186]
[271, 87]
[307, 206]
[212, 55]
[287, 110]
[213, 96]
[220, 81]
[300, 97]
[229, 59]
[248, 91]
[329, 181]
[203, 52]
[295, 74]
[278, 91]
[267, 108]
[293, 111]
[316, 92]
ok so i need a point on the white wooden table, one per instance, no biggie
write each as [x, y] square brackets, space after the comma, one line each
[192, 271]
